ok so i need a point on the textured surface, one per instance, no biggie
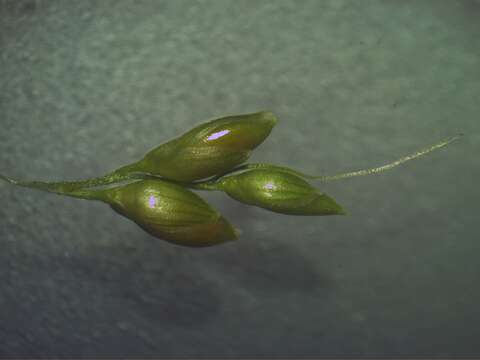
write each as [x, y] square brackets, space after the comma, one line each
[87, 86]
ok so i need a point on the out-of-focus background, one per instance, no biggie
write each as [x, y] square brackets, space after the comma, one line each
[87, 86]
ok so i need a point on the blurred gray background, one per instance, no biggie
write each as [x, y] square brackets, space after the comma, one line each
[87, 86]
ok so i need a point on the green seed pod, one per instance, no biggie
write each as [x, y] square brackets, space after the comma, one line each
[170, 212]
[209, 149]
[279, 191]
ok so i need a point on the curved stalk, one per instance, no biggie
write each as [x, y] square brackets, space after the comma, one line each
[362, 172]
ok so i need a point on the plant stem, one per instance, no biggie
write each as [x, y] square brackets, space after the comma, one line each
[362, 172]
[45, 186]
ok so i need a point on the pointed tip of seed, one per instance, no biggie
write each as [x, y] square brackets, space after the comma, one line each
[238, 232]
[325, 205]
[227, 232]
[269, 117]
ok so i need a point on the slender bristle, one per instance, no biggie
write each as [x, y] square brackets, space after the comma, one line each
[390, 165]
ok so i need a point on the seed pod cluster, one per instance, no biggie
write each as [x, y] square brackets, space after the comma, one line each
[154, 192]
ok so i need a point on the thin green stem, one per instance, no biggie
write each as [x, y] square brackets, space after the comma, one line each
[363, 172]
[124, 173]
[391, 165]
[45, 186]
[209, 185]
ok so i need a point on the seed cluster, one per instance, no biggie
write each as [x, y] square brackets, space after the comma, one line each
[154, 192]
